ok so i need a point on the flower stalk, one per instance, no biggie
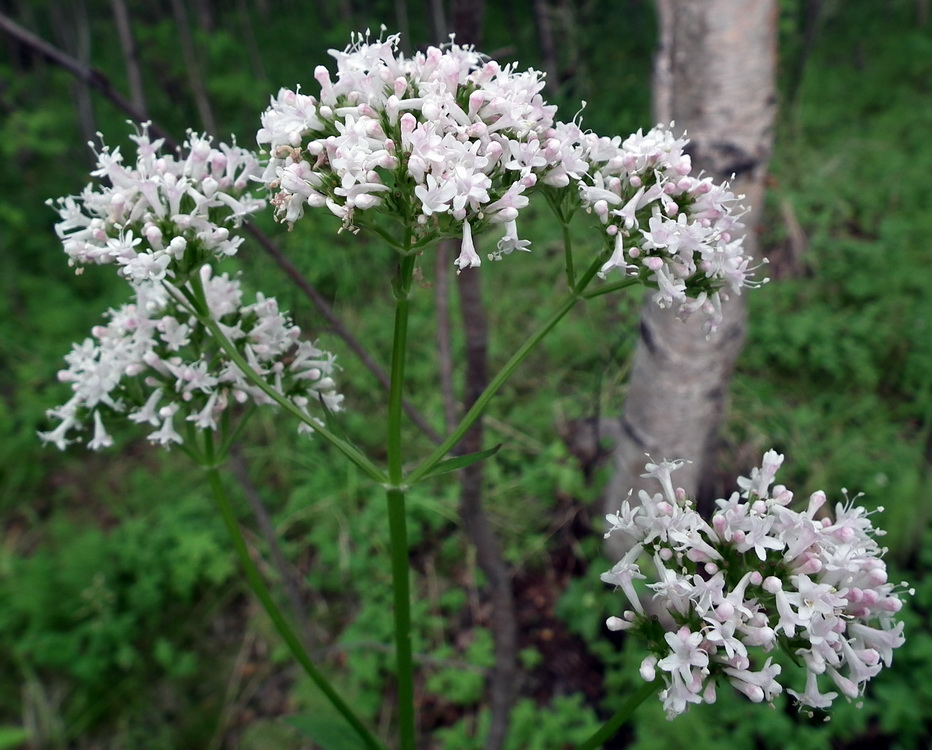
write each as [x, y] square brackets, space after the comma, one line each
[261, 591]
[495, 384]
[395, 497]
[610, 728]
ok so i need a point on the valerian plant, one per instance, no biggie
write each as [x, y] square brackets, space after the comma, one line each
[450, 144]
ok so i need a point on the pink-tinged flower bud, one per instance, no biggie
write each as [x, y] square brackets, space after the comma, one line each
[810, 566]
[616, 623]
[648, 668]
[816, 501]
[754, 692]
[154, 236]
[725, 611]
[408, 123]
[890, 604]
[772, 584]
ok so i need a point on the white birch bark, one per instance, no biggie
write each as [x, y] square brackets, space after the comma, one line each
[714, 76]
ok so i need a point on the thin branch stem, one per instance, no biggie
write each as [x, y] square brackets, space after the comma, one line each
[568, 303]
[395, 496]
[613, 287]
[336, 325]
[275, 614]
[610, 728]
[568, 254]
[288, 580]
[350, 451]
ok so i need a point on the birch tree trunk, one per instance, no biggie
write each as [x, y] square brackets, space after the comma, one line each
[715, 77]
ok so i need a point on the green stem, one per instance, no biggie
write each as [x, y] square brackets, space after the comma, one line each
[275, 614]
[568, 303]
[401, 596]
[610, 728]
[202, 312]
[614, 287]
[568, 254]
[395, 495]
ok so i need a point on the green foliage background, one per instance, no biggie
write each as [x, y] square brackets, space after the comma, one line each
[123, 623]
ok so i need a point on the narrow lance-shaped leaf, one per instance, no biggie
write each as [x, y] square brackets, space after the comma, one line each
[461, 462]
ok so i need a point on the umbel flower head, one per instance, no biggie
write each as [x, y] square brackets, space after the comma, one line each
[446, 139]
[165, 215]
[759, 575]
[449, 143]
[659, 220]
[154, 363]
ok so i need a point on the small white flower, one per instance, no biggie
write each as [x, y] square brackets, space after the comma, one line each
[468, 258]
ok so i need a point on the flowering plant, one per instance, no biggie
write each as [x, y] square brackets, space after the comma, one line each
[449, 144]
[758, 576]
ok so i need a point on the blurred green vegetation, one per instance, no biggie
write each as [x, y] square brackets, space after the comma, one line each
[123, 623]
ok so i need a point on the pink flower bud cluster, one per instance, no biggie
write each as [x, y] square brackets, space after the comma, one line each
[677, 228]
[156, 364]
[758, 575]
[446, 139]
[165, 214]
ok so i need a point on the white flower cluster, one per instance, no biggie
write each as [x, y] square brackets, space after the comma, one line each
[157, 364]
[164, 216]
[662, 221]
[446, 138]
[759, 575]
[450, 142]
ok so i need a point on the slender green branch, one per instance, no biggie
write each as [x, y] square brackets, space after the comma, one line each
[610, 728]
[557, 201]
[397, 521]
[402, 290]
[347, 449]
[389, 240]
[232, 436]
[613, 287]
[568, 255]
[506, 372]
[278, 619]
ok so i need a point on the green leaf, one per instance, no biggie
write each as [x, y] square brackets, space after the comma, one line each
[12, 737]
[330, 732]
[461, 462]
